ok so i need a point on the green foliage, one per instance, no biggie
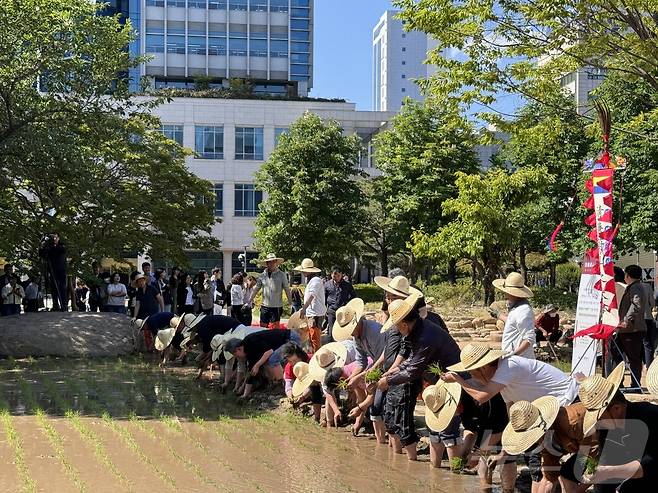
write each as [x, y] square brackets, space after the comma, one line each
[373, 375]
[567, 276]
[86, 158]
[369, 293]
[313, 204]
[591, 464]
[436, 369]
[461, 293]
[563, 299]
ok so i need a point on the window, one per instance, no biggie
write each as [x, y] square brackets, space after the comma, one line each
[176, 3]
[218, 190]
[404, 90]
[217, 4]
[249, 143]
[279, 5]
[209, 142]
[403, 62]
[278, 132]
[299, 35]
[258, 6]
[404, 49]
[300, 13]
[299, 69]
[155, 43]
[173, 132]
[238, 46]
[216, 46]
[404, 76]
[176, 44]
[247, 200]
[258, 47]
[300, 58]
[205, 261]
[238, 5]
[299, 24]
[279, 49]
[404, 35]
[300, 3]
[299, 47]
[301, 78]
[155, 3]
[196, 4]
[196, 45]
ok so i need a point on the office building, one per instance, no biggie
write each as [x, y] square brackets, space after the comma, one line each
[398, 60]
[581, 83]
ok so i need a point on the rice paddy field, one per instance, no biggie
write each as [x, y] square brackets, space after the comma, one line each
[125, 425]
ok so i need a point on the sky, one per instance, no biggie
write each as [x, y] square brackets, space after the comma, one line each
[343, 49]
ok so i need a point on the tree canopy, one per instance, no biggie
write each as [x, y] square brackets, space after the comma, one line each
[79, 154]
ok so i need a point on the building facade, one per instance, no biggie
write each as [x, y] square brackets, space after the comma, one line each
[581, 83]
[267, 41]
[398, 60]
[231, 139]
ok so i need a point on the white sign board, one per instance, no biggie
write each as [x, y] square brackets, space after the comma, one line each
[588, 311]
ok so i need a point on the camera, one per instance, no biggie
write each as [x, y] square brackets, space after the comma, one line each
[241, 257]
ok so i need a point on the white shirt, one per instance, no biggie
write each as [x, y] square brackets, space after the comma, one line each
[237, 295]
[317, 308]
[519, 326]
[116, 294]
[10, 298]
[189, 300]
[528, 379]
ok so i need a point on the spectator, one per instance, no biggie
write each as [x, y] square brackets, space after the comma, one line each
[649, 341]
[32, 296]
[632, 326]
[237, 297]
[186, 295]
[519, 331]
[204, 293]
[147, 300]
[248, 307]
[5, 278]
[132, 293]
[81, 296]
[314, 308]
[116, 295]
[219, 294]
[297, 297]
[12, 297]
[338, 292]
[273, 282]
[96, 288]
[146, 269]
[174, 281]
[54, 252]
[164, 288]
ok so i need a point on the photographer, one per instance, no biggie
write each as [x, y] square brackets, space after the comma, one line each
[53, 252]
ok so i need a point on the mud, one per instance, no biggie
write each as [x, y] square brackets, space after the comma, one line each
[124, 425]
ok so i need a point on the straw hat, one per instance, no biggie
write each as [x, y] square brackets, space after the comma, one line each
[189, 320]
[441, 402]
[137, 278]
[347, 318]
[164, 338]
[303, 379]
[596, 392]
[528, 423]
[398, 286]
[652, 377]
[399, 309]
[307, 267]
[476, 355]
[270, 257]
[549, 308]
[139, 323]
[513, 285]
[332, 355]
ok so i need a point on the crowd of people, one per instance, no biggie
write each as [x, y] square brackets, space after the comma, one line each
[484, 407]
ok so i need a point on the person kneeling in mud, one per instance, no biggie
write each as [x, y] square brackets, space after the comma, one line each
[299, 384]
[261, 351]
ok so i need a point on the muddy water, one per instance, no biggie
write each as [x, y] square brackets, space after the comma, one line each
[124, 425]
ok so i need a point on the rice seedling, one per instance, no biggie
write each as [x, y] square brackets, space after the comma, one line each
[27, 483]
[373, 375]
[591, 464]
[457, 464]
[436, 370]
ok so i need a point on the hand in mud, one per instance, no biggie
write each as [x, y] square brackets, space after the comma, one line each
[254, 370]
[355, 412]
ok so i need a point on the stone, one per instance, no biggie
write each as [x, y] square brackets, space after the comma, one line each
[466, 324]
[500, 325]
[496, 337]
[68, 334]
[491, 327]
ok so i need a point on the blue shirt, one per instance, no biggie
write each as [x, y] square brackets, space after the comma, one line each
[159, 321]
[370, 343]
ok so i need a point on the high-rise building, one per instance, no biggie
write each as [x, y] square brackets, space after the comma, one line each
[267, 41]
[581, 83]
[398, 60]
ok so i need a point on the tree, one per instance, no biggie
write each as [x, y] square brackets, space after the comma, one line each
[313, 206]
[86, 158]
[419, 155]
[525, 46]
[485, 225]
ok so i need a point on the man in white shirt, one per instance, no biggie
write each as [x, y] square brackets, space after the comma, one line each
[314, 308]
[519, 331]
[12, 297]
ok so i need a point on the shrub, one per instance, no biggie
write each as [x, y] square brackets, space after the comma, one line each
[369, 293]
[567, 276]
[564, 300]
[462, 293]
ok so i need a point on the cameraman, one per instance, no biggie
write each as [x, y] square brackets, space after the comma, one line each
[53, 252]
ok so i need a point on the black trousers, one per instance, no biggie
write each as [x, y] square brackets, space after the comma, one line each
[632, 346]
[58, 291]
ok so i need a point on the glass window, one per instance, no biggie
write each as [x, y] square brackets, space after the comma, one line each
[217, 4]
[258, 47]
[176, 3]
[299, 58]
[238, 266]
[279, 5]
[299, 24]
[404, 90]
[300, 69]
[196, 45]
[300, 3]
[155, 29]
[300, 13]
[196, 4]
[238, 46]
[274, 35]
[299, 35]
[249, 143]
[258, 6]
[404, 49]
[216, 46]
[301, 78]
[173, 132]
[209, 142]
[247, 200]
[278, 132]
[155, 43]
[404, 76]
[237, 5]
[403, 62]
[176, 44]
[155, 3]
[279, 49]
[218, 190]
[300, 47]
[205, 261]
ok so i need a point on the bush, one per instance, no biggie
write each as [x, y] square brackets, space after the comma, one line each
[563, 300]
[567, 276]
[369, 293]
[462, 293]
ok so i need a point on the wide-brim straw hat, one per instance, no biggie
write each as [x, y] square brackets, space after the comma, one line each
[139, 323]
[398, 286]
[303, 379]
[163, 339]
[528, 423]
[332, 355]
[347, 318]
[596, 393]
[441, 401]
[307, 267]
[476, 355]
[189, 320]
[513, 285]
[270, 257]
[299, 325]
[652, 377]
[398, 310]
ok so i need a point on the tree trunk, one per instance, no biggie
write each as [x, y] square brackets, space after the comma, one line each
[474, 273]
[355, 270]
[522, 263]
[553, 274]
[383, 259]
[452, 271]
